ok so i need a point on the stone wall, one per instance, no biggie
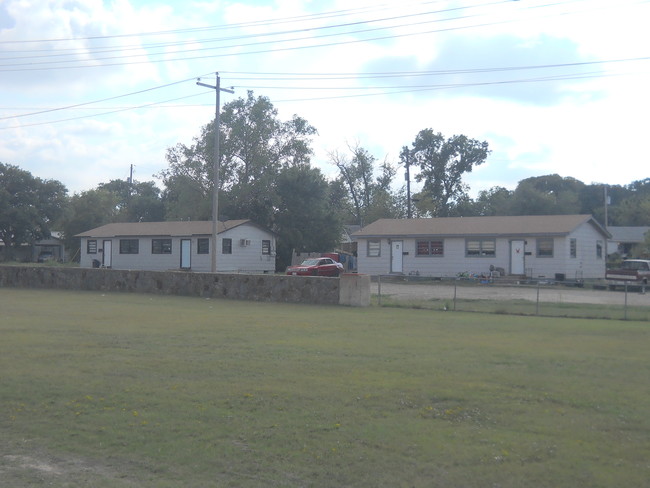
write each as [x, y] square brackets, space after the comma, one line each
[267, 288]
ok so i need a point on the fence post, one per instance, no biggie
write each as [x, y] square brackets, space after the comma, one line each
[379, 289]
[455, 286]
[537, 303]
[625, 309]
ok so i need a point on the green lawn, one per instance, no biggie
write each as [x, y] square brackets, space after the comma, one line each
[123, 390]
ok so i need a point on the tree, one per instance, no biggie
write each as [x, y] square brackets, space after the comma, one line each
[495, 201]
[28, 207]
[370, 198]
[547, 195]
[442, 163]
[255, 147]
[307, 217]
[135, 201]
[265, 175]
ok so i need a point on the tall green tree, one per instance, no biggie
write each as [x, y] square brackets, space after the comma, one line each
[368, 185]
[495, 201]
[442, 164]
[306, 217]
[28, 207]
[265, 175]
[135, 201]
[255, 146]
[548, 195]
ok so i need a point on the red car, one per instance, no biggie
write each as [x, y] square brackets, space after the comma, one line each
[316, 267]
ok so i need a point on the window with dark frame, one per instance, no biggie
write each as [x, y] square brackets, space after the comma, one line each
[573, 248]
[226, 246]
[429, 248]
[91, 246]
[544, 248]
[129, 246]
[485, 248]
[599, 249]
[266, 246]
[161, 246]
[374, 248]
[203, 245]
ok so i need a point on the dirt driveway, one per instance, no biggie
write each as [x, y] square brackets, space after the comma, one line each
[550, 293]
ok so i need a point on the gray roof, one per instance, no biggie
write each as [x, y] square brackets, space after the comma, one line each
[527, 225]
[628, 234]
[171, 228]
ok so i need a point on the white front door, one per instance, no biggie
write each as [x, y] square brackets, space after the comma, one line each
[396, 256]
[517, 253]
[186, 253]
[107, 254]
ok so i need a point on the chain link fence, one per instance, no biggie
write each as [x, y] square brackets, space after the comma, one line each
[543, 297]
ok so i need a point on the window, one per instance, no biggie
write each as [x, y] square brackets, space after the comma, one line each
[573, 248]
[599, 249]
[129, 246]
[266, 246]
[226, 246]
[203, 245]
[161, 246]
[480, 247]
[429, 248]
[91, 246]
[544, 248]
[374, 248]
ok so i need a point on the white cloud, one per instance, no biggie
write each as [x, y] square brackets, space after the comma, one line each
[586, 128]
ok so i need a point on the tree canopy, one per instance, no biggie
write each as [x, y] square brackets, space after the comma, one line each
[369, 196]
[265, 163]
[442, 163]
[28, 206]
[266, 175]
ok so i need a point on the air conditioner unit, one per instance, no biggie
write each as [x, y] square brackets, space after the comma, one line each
[244, 242]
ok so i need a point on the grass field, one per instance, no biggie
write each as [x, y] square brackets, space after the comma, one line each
[123, 390]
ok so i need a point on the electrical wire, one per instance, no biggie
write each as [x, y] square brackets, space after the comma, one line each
[48, 65]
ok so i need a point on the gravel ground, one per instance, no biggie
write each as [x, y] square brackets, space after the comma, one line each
[550, 293]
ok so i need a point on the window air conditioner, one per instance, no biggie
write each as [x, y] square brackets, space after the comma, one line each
[244, 242]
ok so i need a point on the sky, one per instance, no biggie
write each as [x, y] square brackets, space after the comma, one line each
[91, 88]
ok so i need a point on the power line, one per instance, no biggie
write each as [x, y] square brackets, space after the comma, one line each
[98, 101]
[147, 105]
[250, 44]
[301, 77]
[49, 65]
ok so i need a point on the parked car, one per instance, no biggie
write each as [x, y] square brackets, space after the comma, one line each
[316, 267]
[45, 256]
[634, 272]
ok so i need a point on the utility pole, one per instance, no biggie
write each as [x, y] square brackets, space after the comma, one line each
[606, 204]
[215, 166]
[408, 187]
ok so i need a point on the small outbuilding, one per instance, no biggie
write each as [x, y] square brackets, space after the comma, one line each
[537, 246]
[242, 246]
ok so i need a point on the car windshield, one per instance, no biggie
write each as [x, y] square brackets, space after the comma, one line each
[635, 265]
[310, 262]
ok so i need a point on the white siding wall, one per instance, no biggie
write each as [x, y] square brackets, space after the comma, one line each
[246, 259]
[454, 261]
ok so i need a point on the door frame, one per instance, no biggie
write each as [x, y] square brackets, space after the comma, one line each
[397, 256]
[518, 256]
[186, 254]
[107, 253]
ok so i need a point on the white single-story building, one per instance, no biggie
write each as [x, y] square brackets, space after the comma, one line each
[549, 246]
[242, 246]
[623, 239]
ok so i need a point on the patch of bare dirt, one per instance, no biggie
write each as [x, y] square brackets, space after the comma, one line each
[23, 466]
